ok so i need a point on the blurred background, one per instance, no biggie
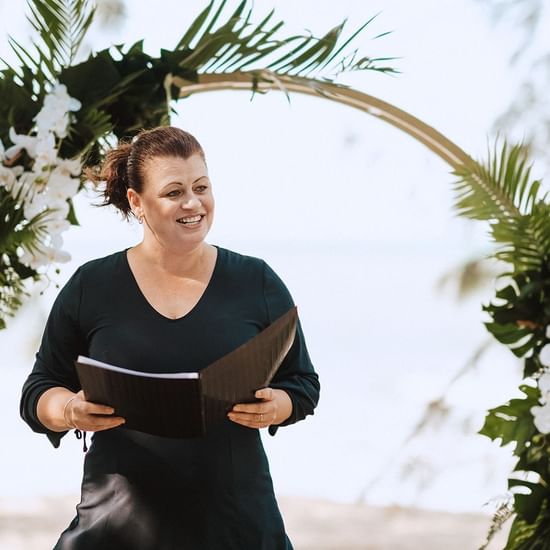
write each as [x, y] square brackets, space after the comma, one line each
[357, 219]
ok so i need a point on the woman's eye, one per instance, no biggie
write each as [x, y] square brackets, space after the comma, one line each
[202, 188]
[173, 193]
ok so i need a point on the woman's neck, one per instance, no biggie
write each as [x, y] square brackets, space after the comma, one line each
[180, 263]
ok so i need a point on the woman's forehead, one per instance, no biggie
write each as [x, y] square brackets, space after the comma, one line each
[183, 170]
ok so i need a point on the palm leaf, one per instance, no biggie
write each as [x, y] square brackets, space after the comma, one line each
[234, 44]
[503, 193]
[61, 26]
[500, 189]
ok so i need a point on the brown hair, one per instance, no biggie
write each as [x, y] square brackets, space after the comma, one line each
[123, 165]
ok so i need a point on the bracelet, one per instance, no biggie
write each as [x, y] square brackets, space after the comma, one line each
[65, 412]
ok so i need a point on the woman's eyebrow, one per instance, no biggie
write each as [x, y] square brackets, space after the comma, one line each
[180, 183]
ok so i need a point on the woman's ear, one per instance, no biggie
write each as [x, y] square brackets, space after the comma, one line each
[133, 199]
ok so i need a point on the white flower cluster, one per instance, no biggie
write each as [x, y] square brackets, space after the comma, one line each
[51, 181]
[541, 413]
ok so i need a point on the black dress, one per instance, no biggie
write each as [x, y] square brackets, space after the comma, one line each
[143, 492]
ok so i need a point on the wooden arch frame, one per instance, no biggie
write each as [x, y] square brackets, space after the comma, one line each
[451, 153]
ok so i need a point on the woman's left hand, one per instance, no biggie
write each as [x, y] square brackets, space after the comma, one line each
[275, 407]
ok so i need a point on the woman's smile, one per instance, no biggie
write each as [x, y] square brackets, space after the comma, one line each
[191, 221]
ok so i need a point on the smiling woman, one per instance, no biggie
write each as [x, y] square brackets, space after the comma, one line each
[155, 308]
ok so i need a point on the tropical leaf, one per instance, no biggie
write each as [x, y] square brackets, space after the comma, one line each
[60, 26]
[519, 318]
[235, 45]
[530, 536]
[503, 193]
[499, 189]
[513, 422]
[528, 505]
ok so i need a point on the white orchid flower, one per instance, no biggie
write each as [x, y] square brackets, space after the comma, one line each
[20, 142]
[8, 176]
[22, 184]
[55, 225]
[56, 241]
[50, 121]
[59, 91]
[43, 257]
[544, 386]
[2, 152]
[33, 207]
[69, 167]
[46, 153]
[54, 255]
[54, 115]
[544, 355]
[61, 186]
[59, 206]
[27, 258]
[541, 417]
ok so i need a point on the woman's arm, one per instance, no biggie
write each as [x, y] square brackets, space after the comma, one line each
[294, 391]
[59, 409]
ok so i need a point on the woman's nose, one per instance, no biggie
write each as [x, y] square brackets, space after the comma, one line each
[192, 202]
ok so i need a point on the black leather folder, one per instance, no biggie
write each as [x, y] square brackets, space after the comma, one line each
[188, 404]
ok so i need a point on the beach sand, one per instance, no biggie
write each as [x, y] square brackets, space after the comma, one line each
[312, 525]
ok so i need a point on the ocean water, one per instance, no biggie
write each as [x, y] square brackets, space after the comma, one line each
[385, 342]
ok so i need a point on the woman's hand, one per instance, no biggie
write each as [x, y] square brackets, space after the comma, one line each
[89, 417]
[275, 407]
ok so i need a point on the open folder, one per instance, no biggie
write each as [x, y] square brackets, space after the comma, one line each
[188, 404]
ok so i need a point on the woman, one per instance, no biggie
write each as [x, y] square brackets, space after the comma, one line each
[171, 303]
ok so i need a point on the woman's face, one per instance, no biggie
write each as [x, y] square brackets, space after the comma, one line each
[176, 200]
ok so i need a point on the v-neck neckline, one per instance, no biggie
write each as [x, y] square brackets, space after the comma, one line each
[151, 308]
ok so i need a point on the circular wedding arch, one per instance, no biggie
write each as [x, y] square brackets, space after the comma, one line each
[451, 153]
[434, 140]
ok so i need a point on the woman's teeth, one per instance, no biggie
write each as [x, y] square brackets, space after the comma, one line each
[190, 221]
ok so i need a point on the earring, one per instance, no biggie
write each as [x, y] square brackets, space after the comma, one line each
[139, 216]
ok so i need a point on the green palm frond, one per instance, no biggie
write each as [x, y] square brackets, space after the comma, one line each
[525, 239]
[61, 26]
[503, 193]
[237, 45]
[15, 232]
[500, 189]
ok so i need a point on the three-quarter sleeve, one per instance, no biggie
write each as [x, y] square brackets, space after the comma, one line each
[296, 375]
[62, 342]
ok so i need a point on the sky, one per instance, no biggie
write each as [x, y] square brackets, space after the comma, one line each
[333, 199]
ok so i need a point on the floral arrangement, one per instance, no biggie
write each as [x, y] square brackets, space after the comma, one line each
[43, 191]
[504, 194]
[57, 116]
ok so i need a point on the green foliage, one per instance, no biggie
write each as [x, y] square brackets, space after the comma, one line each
[60, 26]
[519, 320]
[237, 45]
[123, 89]
[534, 535]
[503, 193]
[513, 422]
[15, 231]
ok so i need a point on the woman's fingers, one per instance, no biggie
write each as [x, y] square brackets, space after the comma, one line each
[258, 408]
[95, 408]
[92, 417]
[253, 415]
[98, 424]
[95, 423]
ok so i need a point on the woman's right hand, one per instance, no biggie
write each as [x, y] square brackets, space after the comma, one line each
[89, 417]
